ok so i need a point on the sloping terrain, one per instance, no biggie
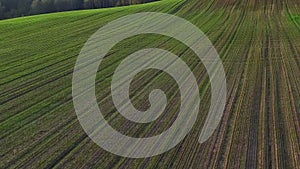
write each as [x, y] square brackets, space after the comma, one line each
[258, 42]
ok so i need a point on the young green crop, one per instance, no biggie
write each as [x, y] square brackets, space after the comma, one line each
[257, 42]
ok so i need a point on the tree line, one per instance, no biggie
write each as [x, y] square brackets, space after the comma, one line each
[16, 8]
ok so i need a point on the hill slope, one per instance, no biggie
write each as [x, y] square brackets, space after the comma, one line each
[257, 41]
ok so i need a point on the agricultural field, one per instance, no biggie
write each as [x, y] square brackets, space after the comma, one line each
[257, 40]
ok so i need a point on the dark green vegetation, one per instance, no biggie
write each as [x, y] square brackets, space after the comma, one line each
[256, 39]
[15, 8]
[297, 19]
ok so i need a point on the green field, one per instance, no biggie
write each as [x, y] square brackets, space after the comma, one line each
[258, 42]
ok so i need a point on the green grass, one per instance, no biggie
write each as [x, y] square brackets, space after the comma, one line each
[257, 43]
[297, 18]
